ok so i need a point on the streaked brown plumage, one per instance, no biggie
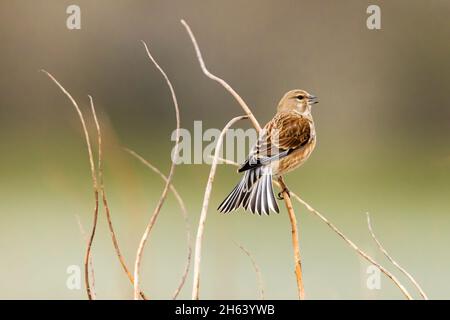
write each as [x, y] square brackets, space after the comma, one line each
[285, 143]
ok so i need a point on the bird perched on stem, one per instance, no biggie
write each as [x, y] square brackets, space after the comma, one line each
[284, 144]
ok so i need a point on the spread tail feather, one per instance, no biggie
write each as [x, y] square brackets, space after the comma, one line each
[254, 192]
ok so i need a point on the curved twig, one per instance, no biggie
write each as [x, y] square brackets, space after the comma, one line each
[99, 141]
[287, 201]
[91, 260]
[105, 200]
[94, 182]
[257, 271]
[162, 199]
[183, 212]
[343, 236]
[389, 257]
[204, 212]
[238, 98]
[355, 247]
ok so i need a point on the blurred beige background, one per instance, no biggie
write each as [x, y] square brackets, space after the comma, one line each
[383, 142]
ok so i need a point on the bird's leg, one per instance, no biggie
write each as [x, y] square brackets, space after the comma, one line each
[283, 190]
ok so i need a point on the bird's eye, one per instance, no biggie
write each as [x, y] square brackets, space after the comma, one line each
[300, 97]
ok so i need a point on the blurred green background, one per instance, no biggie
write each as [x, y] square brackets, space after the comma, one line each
[383, 142]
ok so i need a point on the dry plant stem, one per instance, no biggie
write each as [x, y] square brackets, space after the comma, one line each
[94, 182]
[295, 244]
[183, 212]
[91, 263]
[257, 271]
[354, 246]
[116, 243]
[99, 141]
[204, 212]
[245, 107]
[87, 257]
[162, 199]
[343, 236]
[395, 263]
[104, 198]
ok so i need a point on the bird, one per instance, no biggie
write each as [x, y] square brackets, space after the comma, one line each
[284, 144]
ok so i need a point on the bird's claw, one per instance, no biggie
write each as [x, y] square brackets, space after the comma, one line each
[280, 194]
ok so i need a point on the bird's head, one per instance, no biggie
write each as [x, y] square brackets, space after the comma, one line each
[297, 99]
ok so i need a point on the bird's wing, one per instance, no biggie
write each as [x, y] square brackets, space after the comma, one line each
[286, 132]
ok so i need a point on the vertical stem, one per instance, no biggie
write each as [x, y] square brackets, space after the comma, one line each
[87, 257]
[204, 212]
[94, 182]
[295, 243]
[162, 199]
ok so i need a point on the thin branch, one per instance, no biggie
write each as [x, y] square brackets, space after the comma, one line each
[91, 263]
[227, 87]
[83, 123]
[185, 217]
[94, 182]
[99, 141]
[397, 265]
[295, 244]
[105, 200]
[257, 271]
[162, 199]
[343, 236]
[354, 246]
[246, 108]
[204, 212]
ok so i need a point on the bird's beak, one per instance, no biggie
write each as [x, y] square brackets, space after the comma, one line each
[313, 99]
